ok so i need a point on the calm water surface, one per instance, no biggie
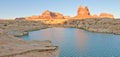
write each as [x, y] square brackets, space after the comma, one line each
[79, 43]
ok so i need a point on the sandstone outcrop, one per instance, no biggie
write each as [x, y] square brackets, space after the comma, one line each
[106, 15]
[83, 12]
[52, 15]
[47, 15]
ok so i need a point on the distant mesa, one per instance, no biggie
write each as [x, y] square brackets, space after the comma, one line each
[51, 15]
[82, 13]
[21, 18]
[107, 15]
[48, 15]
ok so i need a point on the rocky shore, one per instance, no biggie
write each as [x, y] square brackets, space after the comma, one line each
[101, 25]
[12, 46]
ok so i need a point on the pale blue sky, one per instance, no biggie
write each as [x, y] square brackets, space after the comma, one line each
[21, 8]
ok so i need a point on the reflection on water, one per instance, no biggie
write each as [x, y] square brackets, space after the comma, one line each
[81, 40]
[79, 43]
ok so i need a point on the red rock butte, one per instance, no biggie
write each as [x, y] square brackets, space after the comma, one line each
[47, 15]
[82, 13]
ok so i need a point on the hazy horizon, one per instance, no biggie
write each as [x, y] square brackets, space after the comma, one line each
[23, 8]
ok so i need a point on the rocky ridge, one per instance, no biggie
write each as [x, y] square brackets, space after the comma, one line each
[48, 15]
[82, 13]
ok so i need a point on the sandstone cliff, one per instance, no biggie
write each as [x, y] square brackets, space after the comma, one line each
[106, 15]
[48, 15]
[83, 12]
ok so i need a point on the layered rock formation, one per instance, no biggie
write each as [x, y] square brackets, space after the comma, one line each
[106, 15]
[52, 15]
[83, 12]
[48, 15]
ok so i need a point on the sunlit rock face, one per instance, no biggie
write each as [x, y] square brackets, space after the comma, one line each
[83, 12]
[106, 15]
[51, 15]
[33, 17]
[48, 15]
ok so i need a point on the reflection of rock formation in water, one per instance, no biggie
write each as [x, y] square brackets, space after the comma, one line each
[51, 34]
[81, 40]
